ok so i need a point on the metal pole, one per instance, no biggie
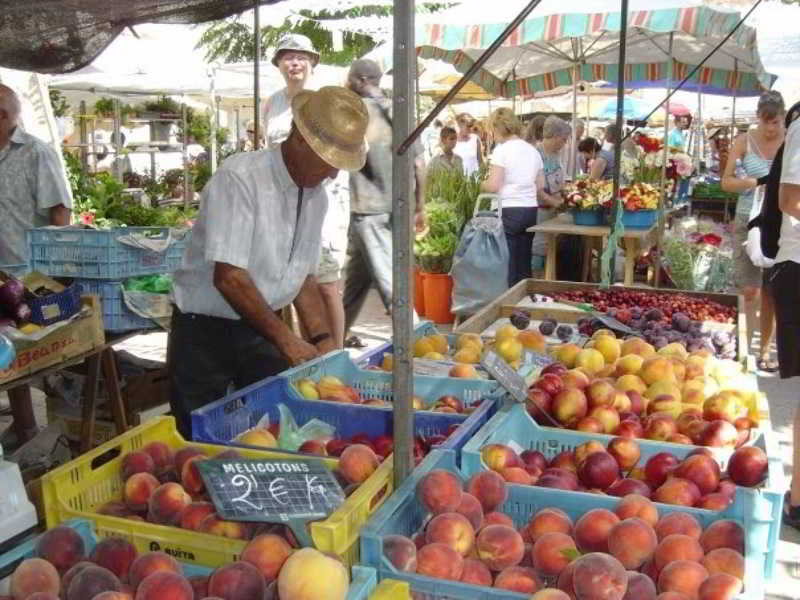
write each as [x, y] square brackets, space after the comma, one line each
[615, 208]
[662, 195]
[84, 138]
[238, 130]
[477, 66]
[117, 170]
[185, 122]
[256, 76]
[574, 150]
[214, 120]
[417, 97]
[733, 113]
[403, 206]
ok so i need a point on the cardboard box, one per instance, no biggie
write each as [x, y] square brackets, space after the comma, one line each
[70, 341]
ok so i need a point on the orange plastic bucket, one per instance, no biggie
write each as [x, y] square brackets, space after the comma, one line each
[438, 290]
[419, 294]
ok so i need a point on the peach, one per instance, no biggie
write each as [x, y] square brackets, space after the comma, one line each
[629, 429]
[640, 587]
[625, 451]
[518, 579]
[464, 371]
[632, 542]
[599, 576]
[607, 416]
[440, 561]
[193, 515]
[679, 438]
[636, 345]
[498, 456]
[599, 470]
[649, 569]
[184, 454]
[499, 546]
[665, 403]
[636, 505]
[166, 504]
[677, 491]
[565, 460]
[723, 534]
[678, 522]
[34, 575]
[235, 530]
[629, 364]
[582, 451]
[163, 584]
[91, 582]
[716, 501]
[190, 477]
[150, 563]
[497, 518]
[658, 467]
[657, 368]
[564, 580]
[487, 486]
[137, 462]
[267, 553]
[161, 455]
[702, 470]
[589, 425]
[452, 529]
[62, 547]
[330, 577]
[631, 383]
[660, 427]
[243, 580]
[590, 360]
[516, 475]
[627, 486]
[600, 393]
[609, 347]
[748, 466]
[115, 554]
[682, 576]
[569, 406]
[115, 509]
[476, 573]
[357, 462]
[592, 529]
[677, 547]
[575, 379]
[549, 520]
[550, 553]
[138, 489]
[724, 560]
[558, 478]
[67, 577]
[720, 586]
[623, 403]
[550, 594]
[401, 552]
[471, 508]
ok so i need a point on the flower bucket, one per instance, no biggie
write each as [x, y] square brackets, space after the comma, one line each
[438, 290]
[587, 217]
[639, 219]
[419, 294]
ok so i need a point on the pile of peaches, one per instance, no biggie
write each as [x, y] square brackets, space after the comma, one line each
[625, 387]
[630, 553]
[269, 568]
[166, 489]
[697, 480]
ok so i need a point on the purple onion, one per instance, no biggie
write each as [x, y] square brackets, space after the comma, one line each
[11, 294]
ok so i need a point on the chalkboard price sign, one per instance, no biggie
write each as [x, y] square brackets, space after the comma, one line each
[271, 490]
[512, 381]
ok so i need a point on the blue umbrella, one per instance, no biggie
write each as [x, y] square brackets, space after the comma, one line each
[634, 109]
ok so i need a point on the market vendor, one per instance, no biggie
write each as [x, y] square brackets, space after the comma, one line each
[33, 193]
[254, 250]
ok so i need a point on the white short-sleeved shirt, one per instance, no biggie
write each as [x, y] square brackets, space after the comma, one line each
[522, 163]
[789, 241]
[249, 219]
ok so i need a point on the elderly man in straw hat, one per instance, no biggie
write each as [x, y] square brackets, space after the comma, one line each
[254, 250]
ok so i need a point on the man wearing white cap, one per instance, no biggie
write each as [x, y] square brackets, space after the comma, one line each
[255, 250]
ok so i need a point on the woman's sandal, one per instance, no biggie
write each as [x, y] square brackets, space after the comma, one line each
[791, 514]
[767, 365]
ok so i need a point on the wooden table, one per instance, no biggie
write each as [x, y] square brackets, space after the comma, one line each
[635, 241]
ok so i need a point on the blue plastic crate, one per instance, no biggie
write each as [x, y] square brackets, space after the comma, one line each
[759, 508]
[97, 254]
[587, 217]
[117, 316]
[363, 579]
[378, 384]
[56, 307]
[14, 270]
[639, 219]
[403, 514]
[221, 421]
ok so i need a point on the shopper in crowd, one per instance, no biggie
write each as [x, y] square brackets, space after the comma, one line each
[248, 143]
[447, 159]
[431, 137]
[369, 246]
[599, 159]
[296, 58]
[719, 147]
[33, 193]
[677, 134]
[515, 173]
[755, 149]
[468, 146]
[570, 157]
[534, 131]
[254, 250]
[555, 135]
[785, 284]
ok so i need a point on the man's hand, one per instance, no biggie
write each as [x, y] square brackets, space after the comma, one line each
[419, 221]
[297, 351]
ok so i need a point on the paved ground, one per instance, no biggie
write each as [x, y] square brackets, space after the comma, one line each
[375, 327]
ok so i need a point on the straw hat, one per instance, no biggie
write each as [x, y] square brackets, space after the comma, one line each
[294, 42]
[333, 121]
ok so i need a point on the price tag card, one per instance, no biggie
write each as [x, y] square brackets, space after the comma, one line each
[271, 490]
[512, 381]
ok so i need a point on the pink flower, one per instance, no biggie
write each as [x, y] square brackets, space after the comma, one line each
[87, 218]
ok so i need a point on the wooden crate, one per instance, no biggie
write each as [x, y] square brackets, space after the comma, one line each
[505, 304]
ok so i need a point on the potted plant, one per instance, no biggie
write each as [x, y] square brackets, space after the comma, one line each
[434, 252]
[158, 110]
[587, 200]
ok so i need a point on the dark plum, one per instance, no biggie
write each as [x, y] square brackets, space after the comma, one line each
[520, 319]
[547, 327]
[564, 332]
[654, 314]
[681, 322]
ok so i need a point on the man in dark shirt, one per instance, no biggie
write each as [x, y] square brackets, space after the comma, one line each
[369, 246]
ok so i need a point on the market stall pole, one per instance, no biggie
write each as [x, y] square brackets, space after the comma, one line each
[402, 267]
[256, 75]
[662, 196]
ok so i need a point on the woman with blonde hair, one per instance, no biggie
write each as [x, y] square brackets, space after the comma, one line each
[468, 146]
[515, 173]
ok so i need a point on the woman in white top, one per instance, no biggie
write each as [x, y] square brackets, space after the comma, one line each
[516, 172]
[468, 146]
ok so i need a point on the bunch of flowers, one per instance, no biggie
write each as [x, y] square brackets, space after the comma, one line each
[587, 194]
[645, 165]
[639, 196]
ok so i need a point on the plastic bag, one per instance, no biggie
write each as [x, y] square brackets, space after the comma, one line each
[752, 245]
[7, 352]
[291, 436]
[480, 264]
[155, 284]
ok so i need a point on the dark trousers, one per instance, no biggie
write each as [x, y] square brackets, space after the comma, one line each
[520, 242]
[369, 260]
[785, 288]
[207, 355]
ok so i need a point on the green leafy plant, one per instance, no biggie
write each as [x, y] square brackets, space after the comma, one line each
[164, 105]
[104, 107]
[434, 251]
[59, 103]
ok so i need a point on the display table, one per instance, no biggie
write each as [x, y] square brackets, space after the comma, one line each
[636, 241]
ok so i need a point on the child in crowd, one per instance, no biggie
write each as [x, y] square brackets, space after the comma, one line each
[447, 159]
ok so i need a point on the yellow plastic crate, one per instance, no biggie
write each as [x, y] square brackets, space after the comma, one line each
[391, 589]
[78, 488]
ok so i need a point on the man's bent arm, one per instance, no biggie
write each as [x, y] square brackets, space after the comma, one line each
[313, 313]
[59, 215]
[789, 199]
